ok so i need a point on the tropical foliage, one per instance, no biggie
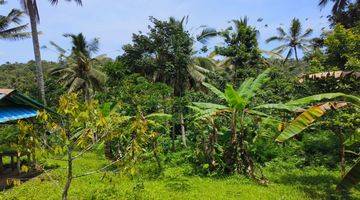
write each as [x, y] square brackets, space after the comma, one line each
[181, 111]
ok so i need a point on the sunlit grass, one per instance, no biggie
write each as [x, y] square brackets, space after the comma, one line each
[174, 184]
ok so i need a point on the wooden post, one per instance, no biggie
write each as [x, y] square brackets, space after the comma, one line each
[18, 162]
[12, 162]
[1, 164]
[28, 159]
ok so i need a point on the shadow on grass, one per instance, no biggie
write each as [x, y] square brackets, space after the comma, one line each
[320, 186]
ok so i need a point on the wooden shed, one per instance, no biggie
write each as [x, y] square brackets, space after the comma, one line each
[15, 106]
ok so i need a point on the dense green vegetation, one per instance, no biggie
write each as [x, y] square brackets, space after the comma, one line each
[170, 119]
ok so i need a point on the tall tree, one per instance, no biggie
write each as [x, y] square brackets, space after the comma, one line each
[78, 72]
[240, 49]
[11, 27]
[293, 40]
[164, 55]
[30, 7]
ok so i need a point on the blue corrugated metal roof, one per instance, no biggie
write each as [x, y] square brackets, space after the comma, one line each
[16, 113]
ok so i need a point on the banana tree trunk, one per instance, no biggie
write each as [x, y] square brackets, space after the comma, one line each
[36, 46]
[231, 151]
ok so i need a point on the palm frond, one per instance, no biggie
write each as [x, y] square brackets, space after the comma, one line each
[55, 2]
[15, 33]
[274, 38]
[281, 32]
[307, 33]
[59, 49]
[295, 28]
[93, 46]
[206, 34]
[76, 85]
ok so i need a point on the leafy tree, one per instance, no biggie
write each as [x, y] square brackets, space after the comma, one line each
[293, 40]
[79, 72]
[240, 49]
[75, 129]
[164, 55]
[11, 27]
[30, 8]
[348, 17]
[342, 50]
[139, 134]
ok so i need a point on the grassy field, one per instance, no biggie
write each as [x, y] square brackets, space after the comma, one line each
[174, 183]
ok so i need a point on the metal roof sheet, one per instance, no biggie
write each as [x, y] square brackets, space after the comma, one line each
[15, 113]
[15, 106]
[6, 91]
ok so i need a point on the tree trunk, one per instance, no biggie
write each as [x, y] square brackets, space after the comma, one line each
[36, 46]
[173, 137]
[86, 92]
[296, 54]
[107, 151]
[69, 174]
[183, 133]
[156, 155]
[212, 142]
[342, 153]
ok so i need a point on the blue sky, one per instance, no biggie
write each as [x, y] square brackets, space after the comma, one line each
[114, 21]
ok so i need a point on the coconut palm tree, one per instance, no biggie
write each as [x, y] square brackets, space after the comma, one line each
[293, 40]
[30, 8]
[78, 72]
[11, 27]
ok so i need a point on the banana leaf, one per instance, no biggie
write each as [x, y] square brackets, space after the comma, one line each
[351, 178]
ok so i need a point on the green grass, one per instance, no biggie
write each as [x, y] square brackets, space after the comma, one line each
[312, 183]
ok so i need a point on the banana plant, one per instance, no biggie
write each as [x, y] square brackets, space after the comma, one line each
[309, 116]
[238, 105]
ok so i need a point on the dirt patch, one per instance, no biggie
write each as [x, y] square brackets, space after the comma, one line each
[11, 177]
